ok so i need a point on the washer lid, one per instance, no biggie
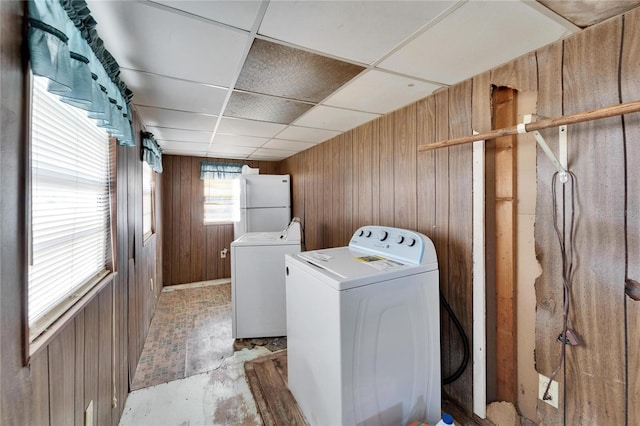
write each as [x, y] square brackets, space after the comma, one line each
[344, 268]
[263, 239]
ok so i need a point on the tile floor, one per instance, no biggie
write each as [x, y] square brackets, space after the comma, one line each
[189, 372]
[190, 333]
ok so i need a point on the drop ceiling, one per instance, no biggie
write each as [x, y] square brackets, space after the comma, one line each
[265, 80]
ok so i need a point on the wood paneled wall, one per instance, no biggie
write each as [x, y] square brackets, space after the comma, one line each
[380, 179]
[92, 358]
[191, 249]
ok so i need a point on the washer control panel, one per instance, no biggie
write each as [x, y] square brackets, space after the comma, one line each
[394, 243]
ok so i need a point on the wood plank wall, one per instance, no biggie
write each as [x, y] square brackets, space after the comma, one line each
[191, 249]
[630, 90]
[387, 184]
[599, 378]
[91, 357]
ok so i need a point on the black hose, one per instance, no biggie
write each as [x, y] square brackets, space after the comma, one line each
[465, 343]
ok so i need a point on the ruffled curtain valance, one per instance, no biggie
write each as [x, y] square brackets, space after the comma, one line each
[209, 170]
[151, 152]
[65, 48]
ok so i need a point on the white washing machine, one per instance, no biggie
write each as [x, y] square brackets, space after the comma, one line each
[363, 330]
[257, 281]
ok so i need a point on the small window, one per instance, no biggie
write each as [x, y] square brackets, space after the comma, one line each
[70, 213]
[221, 200]
[148, 200]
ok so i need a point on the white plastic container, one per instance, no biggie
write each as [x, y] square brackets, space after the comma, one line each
[446, 420]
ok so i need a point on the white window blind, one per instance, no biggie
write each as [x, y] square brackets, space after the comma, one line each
[147, 200]
[70, 207]
[221, 200]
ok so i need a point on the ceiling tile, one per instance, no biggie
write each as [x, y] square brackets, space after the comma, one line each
[182, 152]
[240, 14]
[362, 31]
[274, 69]
[264, 158]
[228, 149]
[159, 117]
[233, 140]
[229, 156]
[380, 92]
[288, 145]
[163, 92]
[145, 37]
[307, 134]
[167, 134]
[238, 126]
[331, 118]
[276, 154]
[179, 146]
[264, 108]
[478, 36]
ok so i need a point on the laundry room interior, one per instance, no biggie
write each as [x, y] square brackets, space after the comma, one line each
[457, 184]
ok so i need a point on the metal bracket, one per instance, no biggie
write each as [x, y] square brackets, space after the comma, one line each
[559, 164]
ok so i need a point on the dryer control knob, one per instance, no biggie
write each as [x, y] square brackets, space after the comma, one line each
[360, 233]
[411, 242]
[382, 235]
[367, 233]
[399, 239]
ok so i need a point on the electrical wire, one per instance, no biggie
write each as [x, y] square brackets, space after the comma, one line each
[465, 344]
[567, 254]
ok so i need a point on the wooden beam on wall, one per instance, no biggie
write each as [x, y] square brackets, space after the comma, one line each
[505, 210]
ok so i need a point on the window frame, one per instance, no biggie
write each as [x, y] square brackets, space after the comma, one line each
[63, 314]
[152, 180]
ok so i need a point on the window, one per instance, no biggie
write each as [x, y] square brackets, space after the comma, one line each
[148, 200]
[70, 212]
[221, 200]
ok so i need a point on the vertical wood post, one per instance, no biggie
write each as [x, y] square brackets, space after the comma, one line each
[505, 210]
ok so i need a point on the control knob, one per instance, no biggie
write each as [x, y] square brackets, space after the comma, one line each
[411, 242]
[382, 235]
[399, 239]
[367, 233]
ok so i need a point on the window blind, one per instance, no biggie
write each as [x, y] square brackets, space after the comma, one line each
[70, 206]
[147, 200]
[221, 200]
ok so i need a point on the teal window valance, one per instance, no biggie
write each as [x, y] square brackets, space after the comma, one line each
[151, 152]
[65, 48]
[211, 170]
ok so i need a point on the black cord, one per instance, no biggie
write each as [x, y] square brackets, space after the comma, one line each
[465, 343]
[566, 251]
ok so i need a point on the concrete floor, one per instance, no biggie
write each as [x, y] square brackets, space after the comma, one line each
[218, 397]
[189, 373]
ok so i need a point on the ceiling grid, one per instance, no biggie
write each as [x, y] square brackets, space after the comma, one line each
[264, 80]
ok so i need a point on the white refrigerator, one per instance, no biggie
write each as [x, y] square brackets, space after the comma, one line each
[265, 204]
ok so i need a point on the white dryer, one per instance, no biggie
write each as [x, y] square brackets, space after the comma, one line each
[363, 333]
[257, 281]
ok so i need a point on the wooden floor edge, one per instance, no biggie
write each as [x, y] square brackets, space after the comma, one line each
[254, 386]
